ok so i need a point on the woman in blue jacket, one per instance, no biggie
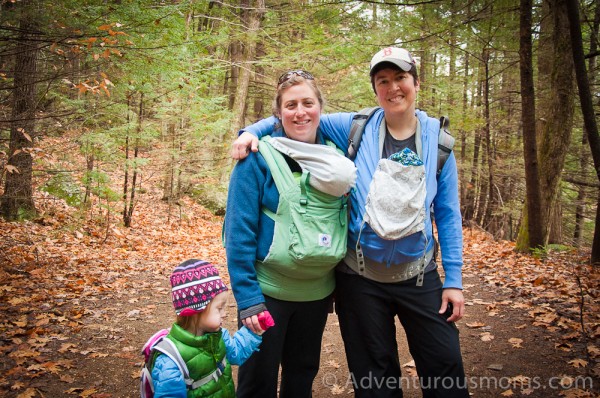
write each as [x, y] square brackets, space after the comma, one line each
[390, 269]
[267, 279]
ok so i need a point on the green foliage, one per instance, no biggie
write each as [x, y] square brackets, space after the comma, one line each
[64, 187]
[101, 186]
[539, 252]
[104, 61]
[25, 213]
[559, 247]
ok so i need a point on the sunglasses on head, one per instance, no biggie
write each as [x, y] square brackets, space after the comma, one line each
[288, 75]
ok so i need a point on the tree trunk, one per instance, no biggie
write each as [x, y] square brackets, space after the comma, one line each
[583, 153]
[136, 151]
[252, 17]
[232, 77]
[587, 109]
[473, 188]
[557, 112]
[17, 200]
[463, 138]
[531, 234]
[170, 164]
[126, 177]
[488, 218]
[241, 93]
[259, 104]
[128, 207]
[89, 167]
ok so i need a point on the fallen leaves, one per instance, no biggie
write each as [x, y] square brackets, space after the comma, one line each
[337, 390]
[486, 336]
[495, 366]
[578, 363]
[59, 275]
[29, 393]
[66, 277]
[475, 325]
[516, 342]
[559, 293]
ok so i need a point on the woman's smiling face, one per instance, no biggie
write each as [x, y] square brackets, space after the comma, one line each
[396, 90]
[300, 113]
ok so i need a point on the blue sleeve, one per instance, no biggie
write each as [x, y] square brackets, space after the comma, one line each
[333, 126]
[244, 199]
[449, 223]
[241, 345]
[167, 379]
[262, 127]
[336, 128]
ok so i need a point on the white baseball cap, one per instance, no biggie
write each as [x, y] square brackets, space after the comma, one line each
[397, 56]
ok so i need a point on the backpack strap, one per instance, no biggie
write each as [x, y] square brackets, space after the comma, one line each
[212, 376]
[359, 121]
[445, 144]
[167, 347]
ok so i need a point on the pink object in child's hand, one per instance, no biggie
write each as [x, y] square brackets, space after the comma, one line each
[265, 320]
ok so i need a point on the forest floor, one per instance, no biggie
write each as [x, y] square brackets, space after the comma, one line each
[80, 294]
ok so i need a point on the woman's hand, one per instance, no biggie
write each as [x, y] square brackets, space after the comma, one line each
[252, 323]
[455, 298]
[242, 146]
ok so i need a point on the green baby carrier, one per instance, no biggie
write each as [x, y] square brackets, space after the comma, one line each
[310, 234]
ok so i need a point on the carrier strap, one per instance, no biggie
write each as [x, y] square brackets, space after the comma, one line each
[283, 176]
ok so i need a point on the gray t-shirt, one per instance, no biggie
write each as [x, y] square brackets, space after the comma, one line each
[392, 145]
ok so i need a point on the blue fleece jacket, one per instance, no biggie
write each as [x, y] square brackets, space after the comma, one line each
[168, 380]
[442, 192]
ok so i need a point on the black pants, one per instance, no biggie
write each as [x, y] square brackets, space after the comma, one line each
[367, 312]
[295, 343]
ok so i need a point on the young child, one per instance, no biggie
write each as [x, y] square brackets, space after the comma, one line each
[199, 298]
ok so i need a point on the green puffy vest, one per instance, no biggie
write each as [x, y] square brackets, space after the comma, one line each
[202, 355]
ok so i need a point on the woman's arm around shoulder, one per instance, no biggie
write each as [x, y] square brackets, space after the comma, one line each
[334, 126]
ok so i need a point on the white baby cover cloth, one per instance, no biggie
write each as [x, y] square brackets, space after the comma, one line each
[330, 172]
[395, 205]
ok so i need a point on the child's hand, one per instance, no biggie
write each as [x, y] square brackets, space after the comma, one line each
[253, 324]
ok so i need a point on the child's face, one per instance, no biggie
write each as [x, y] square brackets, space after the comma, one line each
[212, 317]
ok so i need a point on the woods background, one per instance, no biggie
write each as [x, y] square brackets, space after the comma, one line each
[100, 98]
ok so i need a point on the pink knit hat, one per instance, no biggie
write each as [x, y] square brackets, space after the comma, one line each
[194, 283]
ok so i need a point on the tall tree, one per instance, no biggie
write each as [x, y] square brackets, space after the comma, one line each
[556, 121]
[587, 108]
[256, 13]
[18, 192]
[583, 153]
[533, 197]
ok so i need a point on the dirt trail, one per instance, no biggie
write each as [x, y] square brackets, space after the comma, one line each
[77, 307]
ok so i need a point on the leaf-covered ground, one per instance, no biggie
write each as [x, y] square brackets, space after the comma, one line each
[78, 299]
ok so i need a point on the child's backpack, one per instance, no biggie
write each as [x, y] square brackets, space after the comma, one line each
[359, 121]
[156, 345]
